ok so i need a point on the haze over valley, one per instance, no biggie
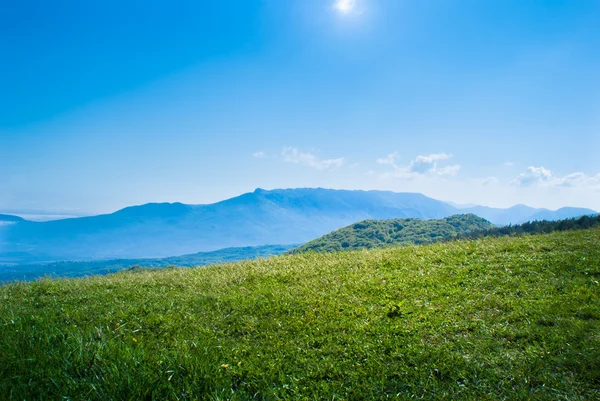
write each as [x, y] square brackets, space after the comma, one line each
[262, 217]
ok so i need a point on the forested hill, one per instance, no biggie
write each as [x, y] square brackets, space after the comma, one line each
[379, 233]
[535, 227]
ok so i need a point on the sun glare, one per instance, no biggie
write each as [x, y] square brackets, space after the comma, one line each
[345, 6]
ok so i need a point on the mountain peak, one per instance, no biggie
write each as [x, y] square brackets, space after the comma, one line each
[164, 209]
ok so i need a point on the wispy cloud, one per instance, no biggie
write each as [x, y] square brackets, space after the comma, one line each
[533, 175]
[389, 159]
[428, 164]
[489, 181]
[580, 180]
[448, 170]
[542, 176]
[293, 155]
[574, 180]
[422, 165]
[259, 155]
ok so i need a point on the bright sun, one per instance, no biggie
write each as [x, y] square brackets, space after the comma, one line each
[345, 6]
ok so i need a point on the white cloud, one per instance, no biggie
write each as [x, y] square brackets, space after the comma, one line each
[508, 164]
[580, 180]
[389, 159]
[293, 155]
[433, 157]
[428, 164]
[448, 170]
[533, 175]
[542, 176]
[574, 179]
[422, 165]
[259, 155]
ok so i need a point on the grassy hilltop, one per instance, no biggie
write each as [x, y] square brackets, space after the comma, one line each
[495, 318]
[380, 233]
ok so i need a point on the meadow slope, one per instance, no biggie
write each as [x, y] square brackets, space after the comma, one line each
[495, 318]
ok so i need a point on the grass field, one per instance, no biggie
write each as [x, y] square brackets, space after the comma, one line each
[496, 318]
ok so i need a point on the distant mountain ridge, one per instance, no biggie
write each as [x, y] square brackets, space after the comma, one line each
[521, 213]
[281, 216]
[261, 217]
[381, 233]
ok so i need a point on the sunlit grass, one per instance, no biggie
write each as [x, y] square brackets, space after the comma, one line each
[504, 318]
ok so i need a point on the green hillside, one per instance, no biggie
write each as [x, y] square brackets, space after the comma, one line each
[380, 233]
[495, 318]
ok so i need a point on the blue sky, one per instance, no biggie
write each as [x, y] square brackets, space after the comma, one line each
[114, 103]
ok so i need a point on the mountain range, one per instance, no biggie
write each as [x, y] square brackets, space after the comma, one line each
[282, 216]
[520, 214]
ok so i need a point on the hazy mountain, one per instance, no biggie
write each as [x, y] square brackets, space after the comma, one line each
[562, 213]
[284, 216]
[262, 217]
[521, 213]
[380, 233]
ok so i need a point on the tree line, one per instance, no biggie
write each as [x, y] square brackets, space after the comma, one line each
[533, 227]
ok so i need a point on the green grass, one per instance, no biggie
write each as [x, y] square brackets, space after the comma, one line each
[496, 318]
